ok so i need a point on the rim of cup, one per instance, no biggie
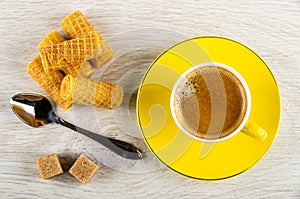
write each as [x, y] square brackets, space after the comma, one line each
[236, 74]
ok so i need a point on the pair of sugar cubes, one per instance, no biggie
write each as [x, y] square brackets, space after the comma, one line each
[83, 169]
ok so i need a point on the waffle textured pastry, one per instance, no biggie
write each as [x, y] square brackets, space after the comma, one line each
[53, 38]
[91, 92]
[77, 57]
[77, 25]
[73, 51]
[100, 55]
[49, 82]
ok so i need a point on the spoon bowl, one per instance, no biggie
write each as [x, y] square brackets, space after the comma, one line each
[36, 110]
[32, 109]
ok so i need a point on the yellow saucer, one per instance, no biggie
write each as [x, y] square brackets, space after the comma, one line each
[180, 152]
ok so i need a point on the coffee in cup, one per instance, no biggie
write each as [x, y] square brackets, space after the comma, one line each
[210, 102]
[207, 89]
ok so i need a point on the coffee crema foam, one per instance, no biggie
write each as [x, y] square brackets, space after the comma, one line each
[210, 102]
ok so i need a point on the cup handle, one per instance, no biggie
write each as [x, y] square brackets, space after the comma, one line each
[253, 130]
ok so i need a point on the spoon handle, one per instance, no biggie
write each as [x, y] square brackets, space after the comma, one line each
[121, 148]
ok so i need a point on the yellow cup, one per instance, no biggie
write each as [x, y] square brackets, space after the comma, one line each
[248, 127]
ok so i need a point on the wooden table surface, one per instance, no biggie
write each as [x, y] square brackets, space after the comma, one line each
[270, 28]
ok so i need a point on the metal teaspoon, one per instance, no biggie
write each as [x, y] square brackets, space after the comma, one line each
[35, 110]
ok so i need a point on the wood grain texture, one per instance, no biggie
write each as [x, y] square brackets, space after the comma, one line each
[270, 28]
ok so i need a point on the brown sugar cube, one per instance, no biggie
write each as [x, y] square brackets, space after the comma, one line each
[49, 166]
[83, 169]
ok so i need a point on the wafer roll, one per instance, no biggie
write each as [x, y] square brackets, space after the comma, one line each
[91, 92]
[54, 37]
[77, 25]
[73, 51]
[50, 83]
[51, 38]
[100, 55]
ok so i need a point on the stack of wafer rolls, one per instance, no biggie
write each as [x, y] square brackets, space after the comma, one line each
[76, 25]
[49, 81]
[61, 58]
